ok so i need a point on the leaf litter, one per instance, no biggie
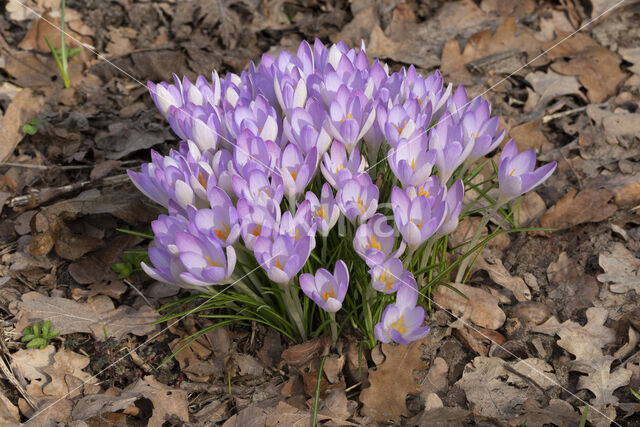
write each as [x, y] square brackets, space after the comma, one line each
[565, 302]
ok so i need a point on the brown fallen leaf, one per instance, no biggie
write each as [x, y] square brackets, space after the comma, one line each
[24, 106]
[597, 68]
[528, 136]
[621, 269]
[499, 274]
[557, 412]
[602, 382]
[9, 415]
[168, 402]
[385, 399]
[548, 86]
[487, 42]
[480, 308]
[41, 28]
[496, 388]
[589, 205]
[97, 316]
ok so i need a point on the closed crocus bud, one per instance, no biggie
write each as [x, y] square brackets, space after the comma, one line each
[326, 289]
[517, 173]
[453, 200]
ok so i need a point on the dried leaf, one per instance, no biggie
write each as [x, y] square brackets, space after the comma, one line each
[548, 86]
[589, 205]
[168, 402]
[24, 106]
[385, 399]
[558, 412]
[621, 270]
[97, 316]
[496, 391]
[9, 415]
[500, 275]
[602, 382]
[481, 308]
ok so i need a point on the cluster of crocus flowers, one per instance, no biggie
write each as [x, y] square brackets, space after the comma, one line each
[271, 159]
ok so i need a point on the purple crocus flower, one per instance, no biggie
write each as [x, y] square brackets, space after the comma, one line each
[173, 178]
[430, 189]
[283, 257]
[326, 289]
[388, 276]
[453, 200]
[257, 116]
[296, 170]
[401, 322]
[338, 167]
[201, 125]
[258, 188]
[416, 219]
[257, 221]
[205, 260]
[401, 122]
[164, 253]
[517, 173]
[358, 198]
[374, 241]
[306, 127]
[252, 152]
[220, 222]
[351, 114]
[166, 95]
[429, 92]
[447, 141]
[300, 224]
[325, 212]
[480, 130]
[410, 162]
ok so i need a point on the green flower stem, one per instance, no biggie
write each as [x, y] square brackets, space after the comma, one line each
[292, 303]
[465, 263]
[334, 330]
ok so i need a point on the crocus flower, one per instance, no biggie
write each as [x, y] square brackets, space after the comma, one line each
[296, 170]
[429, 189]
[374, 241]
[326, 289]
[388, 276]
[220, 222]
[517, 173]
[447, 141]
[416, 219]
[453, 200]
[257, 187]
[173, 178]
[358, 198]
[410, 162]
[201, 125]
[401, 321]
[257, 116]
[325, 212]
[166, 95]
[257, 221]
[252, 152]
[300, 224]
[205, 260]
[166, 266]
[306, 127]
[351, 114]
[283, 257]
[338, 167]
[480, 130]
[402, 121]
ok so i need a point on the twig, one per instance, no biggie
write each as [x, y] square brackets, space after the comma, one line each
[35, 194]
[44, 167]
[572, 169]
[549, 117]
[138, 291]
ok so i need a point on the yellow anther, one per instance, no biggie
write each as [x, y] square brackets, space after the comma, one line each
[212, 263]
[424, 192]
[258, 230]
[278, 265]
[413, 164]
[294, 174]
[373, 243]
[512, 172]
[202, 181]
[397, 325]
[360, 204]
[222, 234]
[322, 214]
[326, 295]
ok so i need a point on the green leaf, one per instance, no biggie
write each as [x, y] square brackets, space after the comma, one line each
[37, 342]
[27, 338]
[53, 334]
[583, 418]
[36, 329]
[29, 129]
[46, 327]
[28, 330]
[316, 401]
[635, 394]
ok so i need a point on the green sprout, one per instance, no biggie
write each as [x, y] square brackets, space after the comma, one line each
[63, 54]
[130, 262]
[39, 337]
[31, 127]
